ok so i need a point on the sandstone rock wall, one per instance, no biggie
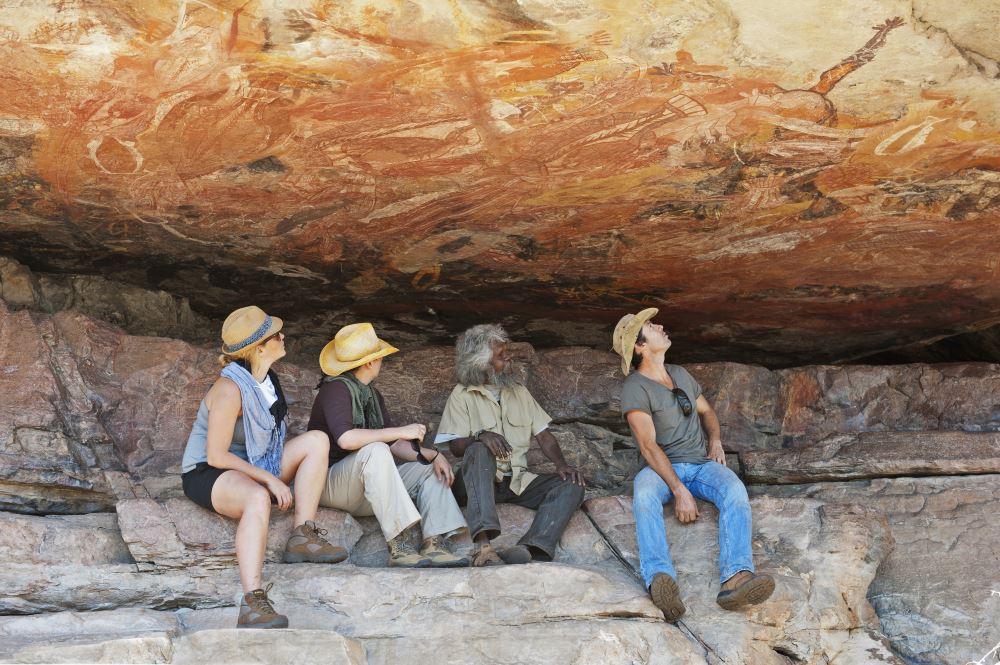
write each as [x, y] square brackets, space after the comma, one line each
[870, 570]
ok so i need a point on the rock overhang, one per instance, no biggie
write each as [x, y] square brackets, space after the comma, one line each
[803, 183]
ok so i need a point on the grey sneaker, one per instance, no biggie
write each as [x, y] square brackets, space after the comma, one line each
[256, 611]
[440, 555]
[307, 545]
[403, 555]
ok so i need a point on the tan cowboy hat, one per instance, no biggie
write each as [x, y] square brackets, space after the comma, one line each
[353, 346]
[625, 334]
[247, 327]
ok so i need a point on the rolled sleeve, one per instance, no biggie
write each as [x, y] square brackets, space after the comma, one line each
[455, 420]
[540, 420]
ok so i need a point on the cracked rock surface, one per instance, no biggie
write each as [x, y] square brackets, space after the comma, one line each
[104, 560]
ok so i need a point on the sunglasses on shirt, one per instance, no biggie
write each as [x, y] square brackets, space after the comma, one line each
[683, 401]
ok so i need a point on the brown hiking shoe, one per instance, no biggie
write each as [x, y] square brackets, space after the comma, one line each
[307, 545]
[745, 588]
[403, 555]
[440, 555]
[667, 596]
[486, 556]
[516, 554]
[256, 611]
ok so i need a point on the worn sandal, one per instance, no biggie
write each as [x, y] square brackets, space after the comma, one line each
[486, 556]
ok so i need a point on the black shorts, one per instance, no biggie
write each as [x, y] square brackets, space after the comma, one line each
[198, 483]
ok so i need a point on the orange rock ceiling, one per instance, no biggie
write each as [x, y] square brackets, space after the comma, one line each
[433, 164]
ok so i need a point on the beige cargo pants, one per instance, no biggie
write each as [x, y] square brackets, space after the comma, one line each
[368, 482]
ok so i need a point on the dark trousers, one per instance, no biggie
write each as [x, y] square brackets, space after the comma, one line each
[553, 498]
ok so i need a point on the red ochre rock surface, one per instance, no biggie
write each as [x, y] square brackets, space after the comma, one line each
[795, 183]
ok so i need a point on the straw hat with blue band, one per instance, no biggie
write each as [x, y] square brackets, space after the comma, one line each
[625, 334]
[247, 327]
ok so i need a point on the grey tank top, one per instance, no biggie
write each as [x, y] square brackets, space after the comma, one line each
[196, 450]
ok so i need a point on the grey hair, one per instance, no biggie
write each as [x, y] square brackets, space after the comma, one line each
[473, 352]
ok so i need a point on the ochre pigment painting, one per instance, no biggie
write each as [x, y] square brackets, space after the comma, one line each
[496, 156]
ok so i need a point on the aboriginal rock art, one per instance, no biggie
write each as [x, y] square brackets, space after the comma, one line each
[325, 144]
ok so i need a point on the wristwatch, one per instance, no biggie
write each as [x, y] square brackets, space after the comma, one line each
[420, 455]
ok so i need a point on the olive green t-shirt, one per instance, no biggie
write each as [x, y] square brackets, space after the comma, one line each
[681, 437]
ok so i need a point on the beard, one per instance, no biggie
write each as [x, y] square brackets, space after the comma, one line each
[508, 378]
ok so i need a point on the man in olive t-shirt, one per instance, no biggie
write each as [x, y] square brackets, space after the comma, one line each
[679, 438]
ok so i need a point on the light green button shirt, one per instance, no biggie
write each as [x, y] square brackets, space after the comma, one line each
[517, 417]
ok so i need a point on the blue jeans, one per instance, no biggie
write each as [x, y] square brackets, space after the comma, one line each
[710, 481]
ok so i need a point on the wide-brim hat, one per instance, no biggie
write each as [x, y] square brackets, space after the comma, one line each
[353, 346]
[625, 334]
[246, 328]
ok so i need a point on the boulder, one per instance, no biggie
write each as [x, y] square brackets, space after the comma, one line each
[578, 384]
[823, 557]
[937, 594]
[608, 460]
[416, 384]
[223, 646]
[122, 635]
[43, 487]
[19, 287]
[580, 544]
[149, 389]
[46, 458]
[372, 601]
[746, 400]
[136, 310]
[533, 615]
[59, 540]
[86, 398]
[188, 637]
[178, 533]
[874, 455]
[38, 588]
[818, 400]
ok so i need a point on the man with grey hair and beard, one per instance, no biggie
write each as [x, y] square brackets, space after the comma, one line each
[490, 420]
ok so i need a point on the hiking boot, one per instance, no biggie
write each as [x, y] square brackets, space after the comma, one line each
[256, 611]
[667, 596]
[516, 554]
[403, 555]
[307, 545]
[436, 550]
[745, 588]
[485, 556]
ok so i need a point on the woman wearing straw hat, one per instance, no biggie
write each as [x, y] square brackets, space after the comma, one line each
[364, 478]
[237, 459]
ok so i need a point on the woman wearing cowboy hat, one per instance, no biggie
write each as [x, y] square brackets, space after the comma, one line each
[364, 478]
[237, 459]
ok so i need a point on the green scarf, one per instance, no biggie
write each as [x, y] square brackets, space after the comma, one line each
[366, 411]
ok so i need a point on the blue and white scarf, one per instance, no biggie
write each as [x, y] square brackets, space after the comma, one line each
[265, 438]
